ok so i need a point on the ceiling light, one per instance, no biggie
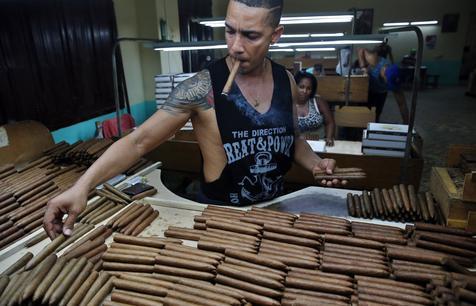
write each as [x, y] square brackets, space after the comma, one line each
[295, 35]
[328, 43]
[302, 19]
[327, 35]
[282, 50]
[191, 48]
[424, 22]
[396, 24]
[315, 49]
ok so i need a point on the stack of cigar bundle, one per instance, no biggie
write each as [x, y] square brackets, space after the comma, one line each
[382, 233]
[340, 174]
[400, 203]
[322, 224]
[260, 279]
[65, 280]
[378, 291]
[218, 229]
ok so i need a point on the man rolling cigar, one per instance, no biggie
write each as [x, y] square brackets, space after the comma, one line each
[246, 135]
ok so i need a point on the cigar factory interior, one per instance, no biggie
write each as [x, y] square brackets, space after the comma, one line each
[238, 152]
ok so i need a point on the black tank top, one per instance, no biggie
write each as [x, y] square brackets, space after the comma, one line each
[259, 147]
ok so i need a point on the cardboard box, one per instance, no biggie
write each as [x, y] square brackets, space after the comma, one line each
[354, 116]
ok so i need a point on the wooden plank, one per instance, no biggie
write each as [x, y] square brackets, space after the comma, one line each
[455, 151]
[354, 116]
[469, 188]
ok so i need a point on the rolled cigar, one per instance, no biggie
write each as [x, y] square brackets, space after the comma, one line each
[68, 280]
[191, 298]
[343, 176]
[465, 295]
[245, 285]
[395, 296]
[379, 201]
[211, 207]
[413, 197]
[431, 205]
[308, 293]
[201, 292]
[106, 214]
[353, 241]
[184, 263]
[405, 198]
[319, 279]
[35, 191]
[232, 221]
[184, 233]
[7, 291]
[287, 251]
[145, 223]
[111, 196]
[363, 250]
[96, 253]
[6, 225]
[157, 243]
[416, 264]
[305, 272]
[133, 294]
[59, 279]
[220, 247]
[84, 248]
[250, 271]
[131, 267]
[352, 270]
[117, 192]
[102, 293]
[243, 229]
[174, 254]
[38, 275]
[390, 288]
[83, 289]
[82, 277]
[144, 194]
[322, 229]
[319, 286]
[231, 78]
[327, 258]
[381, 238]
[225, 233]
[4, 280]
[45, 282]
[79, 231]
[366, 260]
[89, 236]
[108, 205]
[256, 259]
[194, 251]
[292, 239]
[184, 272]
[418, 277]
[202, 285]
[439, 238]
[257, 299]
[442, 229]
[363, 256]
[102, 279]
[133, 298]
[20, 263]
[358, 207]
[131, 252]
[132, 212]
[310, 263]
[261, 220]
[271, 212]
[350, 205]
[257, 267]
[10, 296]
[318, 220]
[50, 248]
[388, 282]
[388, 202]
[92, 206]
[297, 300]
[7, 202]
[367, 203]
[130, 227]
[423, 207]
[445, 248]
[393, 199]
[46, 192]
[253, 241]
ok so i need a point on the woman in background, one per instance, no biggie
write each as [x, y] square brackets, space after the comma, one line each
[313, 111]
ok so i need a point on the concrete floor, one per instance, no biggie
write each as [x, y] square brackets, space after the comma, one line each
[444, 116]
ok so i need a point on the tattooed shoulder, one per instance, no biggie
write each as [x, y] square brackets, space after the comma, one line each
[192, 94]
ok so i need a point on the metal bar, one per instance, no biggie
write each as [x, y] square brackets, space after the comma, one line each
[416, 81]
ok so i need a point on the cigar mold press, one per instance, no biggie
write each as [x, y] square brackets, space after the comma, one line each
[194, 254]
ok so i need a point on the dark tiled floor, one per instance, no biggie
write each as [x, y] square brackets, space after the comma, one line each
[444, 116]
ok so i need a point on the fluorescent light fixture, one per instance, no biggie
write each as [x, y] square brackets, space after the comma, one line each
[396, 24]
[312, 35]
[282, 50]
[329, 43]
[191, 48]
[315, 49]
[327, 35]
[292, 20]
[430, 22]
[329, 57]
[295, 35]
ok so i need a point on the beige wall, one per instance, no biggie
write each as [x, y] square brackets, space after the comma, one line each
[449, 45]
[140, 18]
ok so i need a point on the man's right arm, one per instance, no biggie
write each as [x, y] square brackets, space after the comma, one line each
[187, 98]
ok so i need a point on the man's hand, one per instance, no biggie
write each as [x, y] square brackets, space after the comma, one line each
[71, 202]
[328, 165]
[330, 142]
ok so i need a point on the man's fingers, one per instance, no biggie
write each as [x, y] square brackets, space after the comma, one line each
[331, 164]
[344, 182]
[69, 223]
[50, 221]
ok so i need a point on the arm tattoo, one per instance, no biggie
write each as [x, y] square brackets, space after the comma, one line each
[190, 95]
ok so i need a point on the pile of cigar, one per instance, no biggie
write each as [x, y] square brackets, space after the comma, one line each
[24, 193]
[86, 153]
[400, 203]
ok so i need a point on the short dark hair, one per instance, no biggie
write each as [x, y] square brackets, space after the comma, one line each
[306, 75]
[274, 6]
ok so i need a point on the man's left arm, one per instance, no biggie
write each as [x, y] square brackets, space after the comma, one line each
[303, 153]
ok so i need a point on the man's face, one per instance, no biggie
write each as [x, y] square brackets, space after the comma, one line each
[248, 34]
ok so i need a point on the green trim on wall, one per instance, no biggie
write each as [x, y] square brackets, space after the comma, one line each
[85, 130]
[448, 70]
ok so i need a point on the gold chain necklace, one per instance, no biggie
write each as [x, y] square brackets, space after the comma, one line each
[256, 99]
